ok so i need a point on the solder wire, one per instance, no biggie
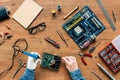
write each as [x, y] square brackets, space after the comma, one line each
[17, 49]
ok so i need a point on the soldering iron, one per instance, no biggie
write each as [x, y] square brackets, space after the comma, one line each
[35, 56]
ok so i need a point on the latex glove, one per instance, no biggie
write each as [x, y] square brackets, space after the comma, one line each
[70, 63]
[32, 63]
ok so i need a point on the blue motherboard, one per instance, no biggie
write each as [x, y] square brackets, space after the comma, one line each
[84, 27]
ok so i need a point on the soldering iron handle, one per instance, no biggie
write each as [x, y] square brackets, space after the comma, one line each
[35, 56]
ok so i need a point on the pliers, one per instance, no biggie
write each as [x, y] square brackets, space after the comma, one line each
[83, 55]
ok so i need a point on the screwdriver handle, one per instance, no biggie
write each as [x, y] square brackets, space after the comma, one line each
[52, 42]
[93, 48]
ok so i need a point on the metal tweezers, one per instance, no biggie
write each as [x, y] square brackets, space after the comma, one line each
[61, 36]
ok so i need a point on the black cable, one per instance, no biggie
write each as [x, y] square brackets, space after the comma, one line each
[17, 49]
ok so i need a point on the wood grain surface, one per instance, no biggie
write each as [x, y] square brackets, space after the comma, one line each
[37, 43]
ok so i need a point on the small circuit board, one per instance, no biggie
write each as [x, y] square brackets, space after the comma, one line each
[83, 27]
[50, 61]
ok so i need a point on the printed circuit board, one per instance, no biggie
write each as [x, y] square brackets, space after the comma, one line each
[84, 27]
[50, 61]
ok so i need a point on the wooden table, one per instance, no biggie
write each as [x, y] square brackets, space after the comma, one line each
[37, 43]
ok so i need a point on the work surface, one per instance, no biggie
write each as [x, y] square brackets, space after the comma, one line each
[37, 43]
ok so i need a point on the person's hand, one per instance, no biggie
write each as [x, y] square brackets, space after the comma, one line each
[70, 63]
[32, 63]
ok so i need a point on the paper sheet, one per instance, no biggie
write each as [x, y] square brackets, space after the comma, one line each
[27, 12]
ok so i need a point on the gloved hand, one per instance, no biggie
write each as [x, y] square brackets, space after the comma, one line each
[32, 63]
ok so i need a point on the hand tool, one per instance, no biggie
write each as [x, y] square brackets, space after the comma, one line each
[56, 44]
[35, 56]
[93, 48]
[76, 8]
[96, 75]
[61, 36]
[21, 65]
[113, 14]
[106, 15]
[105, 72]
[84, 55]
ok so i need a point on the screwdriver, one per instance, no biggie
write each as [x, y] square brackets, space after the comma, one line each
[93, 48]
[52, 42]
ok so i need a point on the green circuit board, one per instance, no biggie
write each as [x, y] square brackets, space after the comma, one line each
[50, 61]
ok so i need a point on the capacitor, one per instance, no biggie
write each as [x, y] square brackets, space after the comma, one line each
[59, 8]
[53, 12]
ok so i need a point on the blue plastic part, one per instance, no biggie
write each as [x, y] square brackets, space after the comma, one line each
[84, 27]
[35, 56]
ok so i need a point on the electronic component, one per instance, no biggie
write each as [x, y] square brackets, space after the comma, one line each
[50, 61]
[59, 8]
[83, 27]
[111, 55]
[53, 11]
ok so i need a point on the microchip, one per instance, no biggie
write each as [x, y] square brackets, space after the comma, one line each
[78, 30]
